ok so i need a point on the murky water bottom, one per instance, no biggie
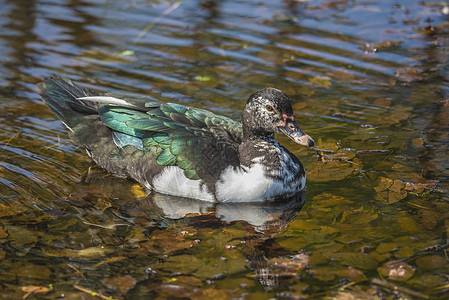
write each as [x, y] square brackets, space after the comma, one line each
[369, 83]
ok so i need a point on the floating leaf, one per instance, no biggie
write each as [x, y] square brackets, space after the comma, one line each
[138, 191]
[202, 78]
[127, 52]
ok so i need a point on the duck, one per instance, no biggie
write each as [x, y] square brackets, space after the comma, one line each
[184, 151]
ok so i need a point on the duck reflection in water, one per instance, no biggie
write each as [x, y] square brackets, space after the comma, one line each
[270, 216]
[262, 222]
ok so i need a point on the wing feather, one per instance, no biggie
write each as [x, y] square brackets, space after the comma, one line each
[190, 138]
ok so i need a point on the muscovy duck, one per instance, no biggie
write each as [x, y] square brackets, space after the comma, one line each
[185, 151]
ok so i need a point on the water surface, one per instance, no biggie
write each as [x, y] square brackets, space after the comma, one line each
[368, 80]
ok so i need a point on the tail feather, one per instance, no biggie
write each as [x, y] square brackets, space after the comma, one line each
[60, 94]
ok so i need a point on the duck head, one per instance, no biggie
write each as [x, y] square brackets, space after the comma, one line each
[269, 111]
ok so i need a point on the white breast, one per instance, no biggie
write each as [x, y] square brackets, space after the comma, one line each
[172, 181]
[236, 184]
[251, 184]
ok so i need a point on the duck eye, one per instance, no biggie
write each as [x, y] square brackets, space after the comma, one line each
[269, 107]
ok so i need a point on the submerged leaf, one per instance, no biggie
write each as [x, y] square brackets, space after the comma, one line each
[30, 271]
[327, 200]
[180, 264]
[3, 232]
[359, 216]
[323, 273]
[33, 289]
[121, 284]
[390, 191]
[20, 236]
[322, 81]
[333, 170]
[352, 273]
[408, 224]
[398, 271]
[11, 210]
[288, 266]
[357, 260]
[87, 253]
[431, 262]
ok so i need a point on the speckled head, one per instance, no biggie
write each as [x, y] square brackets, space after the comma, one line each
[268, 111]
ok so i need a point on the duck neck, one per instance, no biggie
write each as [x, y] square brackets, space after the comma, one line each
[251, 135]
[252, 130]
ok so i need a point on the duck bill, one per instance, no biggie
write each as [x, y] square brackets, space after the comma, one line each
[292, 130]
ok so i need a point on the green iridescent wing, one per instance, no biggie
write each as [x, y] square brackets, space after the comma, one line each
[196, 140]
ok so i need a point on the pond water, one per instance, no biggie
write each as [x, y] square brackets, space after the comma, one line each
[369, 82]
